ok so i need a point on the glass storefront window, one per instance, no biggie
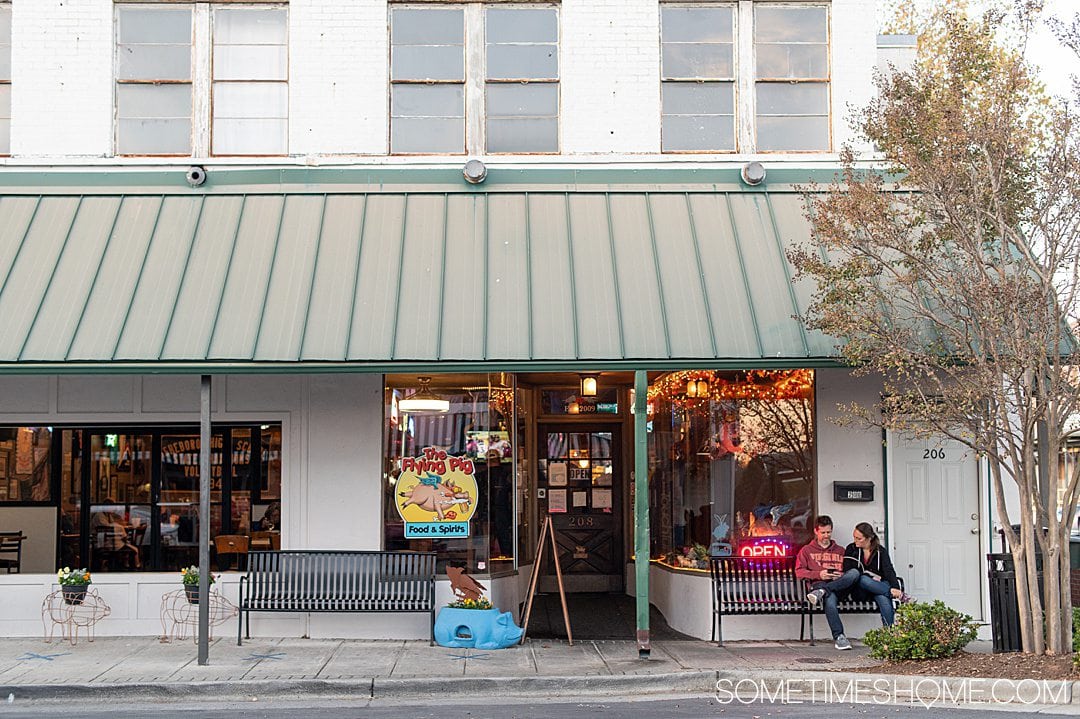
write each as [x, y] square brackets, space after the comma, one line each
[452, 473]
[732, 458]
[128, 499]
[24, 464]
[120, 481]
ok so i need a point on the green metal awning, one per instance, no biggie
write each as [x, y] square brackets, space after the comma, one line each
[391, 277]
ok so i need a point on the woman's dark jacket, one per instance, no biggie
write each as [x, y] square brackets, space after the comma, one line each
[879, 564]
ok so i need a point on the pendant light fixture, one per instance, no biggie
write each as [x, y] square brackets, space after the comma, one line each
[424, 401]
[697, 388]
[588, 385]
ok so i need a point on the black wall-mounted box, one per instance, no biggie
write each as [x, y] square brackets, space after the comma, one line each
[853, 491]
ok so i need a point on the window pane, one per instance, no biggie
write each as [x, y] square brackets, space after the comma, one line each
[251, 99]
[522, 25]
[251, 62]
[427, 26]
[778, 61]
[781, 98]
[153, 25]
[523, 135]
[513, 62]
[250, 136]
[698, 133]
[250, 26]
[696, 24]
[428, 101]
[470, 429]
[515, 100]
[154, 137]
[416, 62]
[5, 42]
[153, 62]
[5, 136]
[791, 24]
[428, 135]
[24, 461]
[707, 98]
[5, 101]
[792, 134]
[711, 489]
[155, 101]
[695, 60]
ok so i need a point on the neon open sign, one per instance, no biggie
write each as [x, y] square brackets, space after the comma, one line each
[764, 549]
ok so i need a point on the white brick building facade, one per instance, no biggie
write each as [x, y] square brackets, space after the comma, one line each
[609, 53]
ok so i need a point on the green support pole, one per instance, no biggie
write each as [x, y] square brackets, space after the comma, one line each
[641, 509]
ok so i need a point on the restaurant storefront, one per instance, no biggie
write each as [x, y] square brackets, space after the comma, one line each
[404, 361]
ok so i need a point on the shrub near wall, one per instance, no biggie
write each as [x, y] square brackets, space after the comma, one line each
[922, 631]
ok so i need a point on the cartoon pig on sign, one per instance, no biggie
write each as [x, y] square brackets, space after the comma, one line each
[432, 495]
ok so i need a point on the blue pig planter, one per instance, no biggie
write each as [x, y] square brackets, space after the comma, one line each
[476, 628]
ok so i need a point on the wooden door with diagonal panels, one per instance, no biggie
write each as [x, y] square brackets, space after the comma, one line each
[580, 475]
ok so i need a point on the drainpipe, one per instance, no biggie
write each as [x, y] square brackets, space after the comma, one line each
[641, 510]
[204, 522]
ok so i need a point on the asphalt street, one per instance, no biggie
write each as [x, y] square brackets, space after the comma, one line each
[454, 708]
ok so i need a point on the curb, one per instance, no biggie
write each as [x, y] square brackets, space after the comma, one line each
[625, 684]
[892, 689]
[373, 688]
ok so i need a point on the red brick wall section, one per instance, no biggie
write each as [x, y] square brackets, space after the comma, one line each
[1075, 586]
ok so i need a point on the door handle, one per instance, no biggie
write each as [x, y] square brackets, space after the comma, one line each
[974, 530]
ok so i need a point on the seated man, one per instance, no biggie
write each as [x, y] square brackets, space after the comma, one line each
[820, 562]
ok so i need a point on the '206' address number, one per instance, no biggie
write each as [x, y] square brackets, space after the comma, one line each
[933, 454]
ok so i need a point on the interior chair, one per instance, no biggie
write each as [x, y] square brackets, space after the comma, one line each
[11, 551]
[228, 546]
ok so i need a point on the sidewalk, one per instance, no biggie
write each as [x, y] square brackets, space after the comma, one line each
[148, 669]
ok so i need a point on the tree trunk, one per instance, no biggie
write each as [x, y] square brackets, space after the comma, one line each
[1030, 590]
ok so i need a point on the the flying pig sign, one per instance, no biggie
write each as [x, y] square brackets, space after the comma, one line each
[436, 495]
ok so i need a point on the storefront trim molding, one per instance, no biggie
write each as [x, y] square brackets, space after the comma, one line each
[429, 366]
[225, 179]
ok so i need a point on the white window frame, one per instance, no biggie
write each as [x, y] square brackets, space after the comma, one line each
[746, 72]
[755, 80]
[202, 75]
[475, 72]
[6, 81]
[734, 79]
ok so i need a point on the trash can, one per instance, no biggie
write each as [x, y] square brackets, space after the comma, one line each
[1004, 611]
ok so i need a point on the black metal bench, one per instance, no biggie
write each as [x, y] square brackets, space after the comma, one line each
[308, 580]
[757, 585]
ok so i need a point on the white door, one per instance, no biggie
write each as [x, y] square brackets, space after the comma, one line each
[935, 528]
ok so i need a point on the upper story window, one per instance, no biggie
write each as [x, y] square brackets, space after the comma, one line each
[791, 56]
[504, 99]
[698, 73]
[745, 76]
[200, 79]
[5, 78]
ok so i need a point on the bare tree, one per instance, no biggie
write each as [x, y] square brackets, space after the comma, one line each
[950, 268]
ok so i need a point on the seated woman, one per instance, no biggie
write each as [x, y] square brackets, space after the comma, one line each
[877, 578]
